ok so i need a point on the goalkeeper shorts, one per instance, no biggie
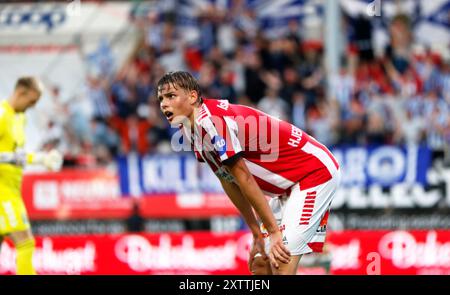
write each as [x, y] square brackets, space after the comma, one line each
[302, 216]
[13, 215]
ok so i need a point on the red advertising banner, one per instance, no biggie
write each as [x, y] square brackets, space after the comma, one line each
[390, 252]
[81, 194]
[187, 206]
[74, 194]
[350, 253]
[196, 253]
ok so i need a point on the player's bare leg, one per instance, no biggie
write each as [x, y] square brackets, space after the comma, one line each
[260, 266]
[24, 244]
[287, 268]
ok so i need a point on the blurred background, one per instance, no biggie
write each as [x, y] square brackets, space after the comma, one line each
[370, 79]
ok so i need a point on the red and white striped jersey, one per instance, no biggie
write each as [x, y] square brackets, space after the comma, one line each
[277, 153]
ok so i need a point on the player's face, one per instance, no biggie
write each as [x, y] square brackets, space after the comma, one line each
[28, 98]
[177, 104]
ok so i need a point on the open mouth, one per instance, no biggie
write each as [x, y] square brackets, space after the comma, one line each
[169, 115]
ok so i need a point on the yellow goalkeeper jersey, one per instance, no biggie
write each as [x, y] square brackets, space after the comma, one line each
[12, 138]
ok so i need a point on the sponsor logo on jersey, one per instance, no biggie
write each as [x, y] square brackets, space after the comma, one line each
[220, 145]
[223, 104]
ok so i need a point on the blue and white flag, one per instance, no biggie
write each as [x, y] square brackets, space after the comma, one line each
[271, 16]
[430, 19]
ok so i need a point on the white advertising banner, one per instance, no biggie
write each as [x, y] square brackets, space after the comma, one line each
[44, 21]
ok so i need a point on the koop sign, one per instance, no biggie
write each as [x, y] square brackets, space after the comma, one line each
[34, 16]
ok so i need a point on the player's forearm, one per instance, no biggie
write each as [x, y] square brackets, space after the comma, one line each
[242, 204]
[52, 160]
[18, 157]
[7, 157]
[251, 191]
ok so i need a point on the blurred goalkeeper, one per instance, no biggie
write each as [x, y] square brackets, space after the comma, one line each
[253, 155]
[13, 216]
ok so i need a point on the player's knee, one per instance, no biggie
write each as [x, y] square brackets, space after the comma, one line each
[287, 268]
[24, 258]
[26, 244]
[260, 266]
[282, 271]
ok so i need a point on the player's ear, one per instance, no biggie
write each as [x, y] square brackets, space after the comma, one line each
[21, 91]
[193, 97]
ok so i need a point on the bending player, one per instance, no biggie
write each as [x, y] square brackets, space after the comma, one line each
[13, 216]
[253, 155]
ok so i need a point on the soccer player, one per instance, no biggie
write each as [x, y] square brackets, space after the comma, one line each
[13, 216]
[255, 155]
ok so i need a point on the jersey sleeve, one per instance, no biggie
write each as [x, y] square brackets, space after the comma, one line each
[222, 132]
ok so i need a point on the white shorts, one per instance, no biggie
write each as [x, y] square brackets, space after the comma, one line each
[303, 215]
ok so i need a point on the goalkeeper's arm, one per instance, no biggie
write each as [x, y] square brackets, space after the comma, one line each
[52, 160]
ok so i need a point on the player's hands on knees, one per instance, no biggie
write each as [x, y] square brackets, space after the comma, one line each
[278, 251]
[257, 247]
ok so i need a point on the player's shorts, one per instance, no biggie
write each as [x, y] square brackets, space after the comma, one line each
[303, 215]
[13, 215]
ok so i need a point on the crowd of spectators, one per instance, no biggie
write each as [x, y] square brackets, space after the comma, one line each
[400, 97]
